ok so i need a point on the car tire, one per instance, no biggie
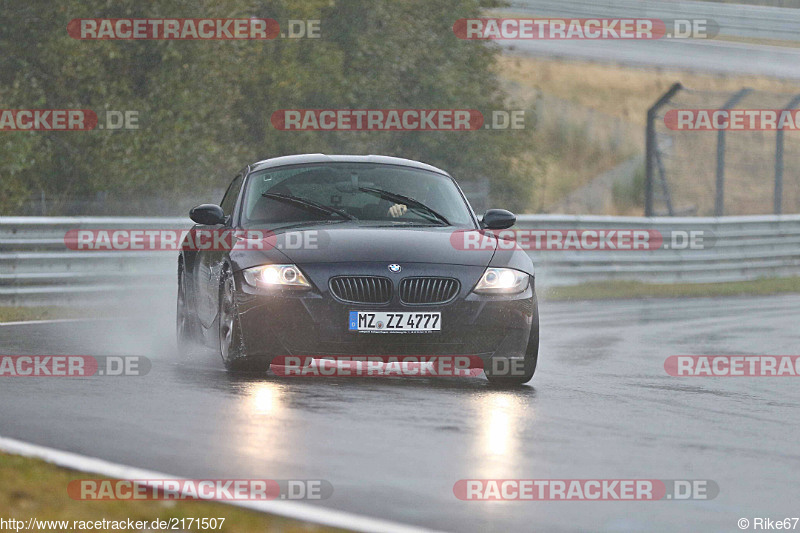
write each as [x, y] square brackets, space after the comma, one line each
[231, 347]
[184, 321]
[531, 356]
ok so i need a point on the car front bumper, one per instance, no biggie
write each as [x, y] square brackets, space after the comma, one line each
[314, 323]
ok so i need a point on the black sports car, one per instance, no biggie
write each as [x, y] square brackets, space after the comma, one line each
[361, 260]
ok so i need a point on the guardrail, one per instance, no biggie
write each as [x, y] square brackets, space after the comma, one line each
[36, 268]
[734, 249]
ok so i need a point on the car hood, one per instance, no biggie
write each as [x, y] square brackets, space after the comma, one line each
[345, 244]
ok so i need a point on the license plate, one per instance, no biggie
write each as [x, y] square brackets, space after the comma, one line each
[399, 322]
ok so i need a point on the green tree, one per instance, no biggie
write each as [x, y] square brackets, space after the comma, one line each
[205, 106]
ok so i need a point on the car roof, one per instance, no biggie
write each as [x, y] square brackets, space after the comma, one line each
[323, 158]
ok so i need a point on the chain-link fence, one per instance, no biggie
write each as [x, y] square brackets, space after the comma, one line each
[714, 154]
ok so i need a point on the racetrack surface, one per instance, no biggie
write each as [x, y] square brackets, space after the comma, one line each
[600, 406]
[687, 54]
[700, 55]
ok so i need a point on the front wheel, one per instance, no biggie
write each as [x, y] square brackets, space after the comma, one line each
[184, 323]
[231, 346]
[511, 375]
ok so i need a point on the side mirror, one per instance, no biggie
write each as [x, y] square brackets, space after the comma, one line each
[498, 219]
[207, 214]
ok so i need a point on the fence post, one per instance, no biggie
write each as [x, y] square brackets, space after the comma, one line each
[650, 146]
[777, 201]
[719, 200]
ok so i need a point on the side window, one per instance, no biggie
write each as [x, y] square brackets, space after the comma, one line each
[229, 200]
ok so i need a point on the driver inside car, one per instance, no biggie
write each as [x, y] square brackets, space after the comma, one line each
[423, 195]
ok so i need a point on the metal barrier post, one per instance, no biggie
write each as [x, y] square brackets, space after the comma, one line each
[719, 200]
[777, 201]
[650, 142]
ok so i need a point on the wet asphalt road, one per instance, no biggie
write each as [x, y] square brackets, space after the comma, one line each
[693, 55]
[701, 55]
[600, 406]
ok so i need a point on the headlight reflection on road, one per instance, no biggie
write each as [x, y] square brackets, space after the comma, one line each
[500, 415]
[498, 430]
[258, 426]
[264, 398]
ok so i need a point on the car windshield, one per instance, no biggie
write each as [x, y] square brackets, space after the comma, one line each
[362, 192]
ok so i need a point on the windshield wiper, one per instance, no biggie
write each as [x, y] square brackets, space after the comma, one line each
[406, 200]
[295, 225]
[308, 205]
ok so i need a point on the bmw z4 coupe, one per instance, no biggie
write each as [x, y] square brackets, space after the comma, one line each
[337, 256]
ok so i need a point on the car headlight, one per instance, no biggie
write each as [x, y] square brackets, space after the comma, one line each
[502, 281]
[277, 276]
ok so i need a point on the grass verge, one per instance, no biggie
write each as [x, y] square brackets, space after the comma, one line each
[631, 289]
[593, 117]
[617, 90]
[32, 488]
[14, 314]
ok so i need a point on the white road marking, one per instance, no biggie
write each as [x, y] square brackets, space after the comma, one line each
[53, 321]
[298, 511]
